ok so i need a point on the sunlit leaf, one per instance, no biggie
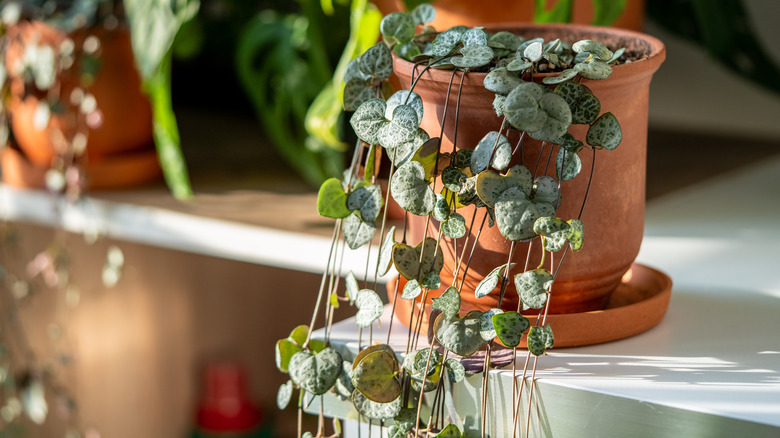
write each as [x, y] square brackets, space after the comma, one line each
[510, 327]
[370, 307]
[316, 373]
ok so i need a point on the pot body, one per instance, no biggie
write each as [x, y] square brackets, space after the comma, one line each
[125, 111]
[613, 216]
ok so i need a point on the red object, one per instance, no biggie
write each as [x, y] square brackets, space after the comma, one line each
[225, 406]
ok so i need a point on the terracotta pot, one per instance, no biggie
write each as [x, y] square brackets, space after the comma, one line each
[614, 214]
[475, 13]
[126, 113]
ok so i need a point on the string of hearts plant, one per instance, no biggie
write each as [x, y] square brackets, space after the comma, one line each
[520, 199]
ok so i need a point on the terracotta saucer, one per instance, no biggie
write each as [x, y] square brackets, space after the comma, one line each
[638, 304]
[112, 172]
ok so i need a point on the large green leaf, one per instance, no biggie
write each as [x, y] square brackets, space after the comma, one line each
[332, 200]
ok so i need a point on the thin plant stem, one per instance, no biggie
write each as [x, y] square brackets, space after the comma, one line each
[516, 402]
[463, 253]
[473, 247]
[336, 232]
[485, 387]
[531, 397]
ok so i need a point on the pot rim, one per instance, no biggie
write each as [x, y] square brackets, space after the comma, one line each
[648, 65]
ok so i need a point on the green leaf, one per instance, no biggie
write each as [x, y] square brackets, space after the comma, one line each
[358, 232]
[315, 373]
[521, 107]
[405, 421]
[460, 335]
[410, 189]
[367, 199]
[605, 132]
[368, 119]
[375, 377]
[453, 178]
[402, 128]
[473, 56]
[407, 51]
[427, 155]
[344, 386]
[593, 47]
[284, 351]
[567, 165]
[560, 13]
[566, 75]
[540, 339]
[377, 61]
[491, 185]
[431, 281]
[405, 97]
[557, 121]
[407, 259]
[412, 290]
[370, 307]
[489, 283]
[353, 72]
[423, 13]
[355, 93]
[374, 410]
[493, 145]
[386, 252]
[556, 232]
[533, 287]
[501, 81]
[448, 302]
[577, 233]
[451, 431]
[441, 209]
[519, 65]
[605, 12]
[546, 190]
[351, 285]
[594, 69]
[299, 334]
[454, 227]
[284, 394]
[515, 215]
[398, 26]
[474, 37]
[406, 151]
[445, 42]
[505, 40]
[486, 328]
[533, 51]
[455, 370]
[510, 327]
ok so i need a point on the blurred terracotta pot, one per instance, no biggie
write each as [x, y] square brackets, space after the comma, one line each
[614, 214]
[125, 112]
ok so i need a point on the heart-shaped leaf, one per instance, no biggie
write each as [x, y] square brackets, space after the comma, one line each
[567, 164]
[473, 56]
[408, 98]
[445, 42]
[494, 149]
[344, 386]
[533, 287]
[448, 302]
[460, 335]
[316, 373]
[284, 395]
[405, 420]
[355, 93]
[284, 351]
[594, 47]
[594, 69]
[491, 185]
[374, 410]
[368, 350]
[299, 334]
[584, 106]
[367, 199]
[428, 155]
[521, 107]
[451, 431]
[455, 370]
[351, 285]
[453, 178]
[368, 120]
[557, 121]
[489, 283]
[519, 65]
[502, 81]
[410, 189]
[546, 190]
[332, 200]
[424, 362]
[423, 13]
[533, 51]
[441, 209]
[566, 75]
[377, 61]
[357, 232]
[540, 339]
[454, 227]
[577, 234]
[386, 252]
[412, 290]
[605, 132]
[510, 327]
[354, 72]
[407, 151]
[402, 128]
[505, 40]
[515, 215]
[399, 26]
[486, 328]
[370, 307]
[407, 259]
[555, 231]
[545, 209]
[431, 281]
[474, 37]
[375, 377]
